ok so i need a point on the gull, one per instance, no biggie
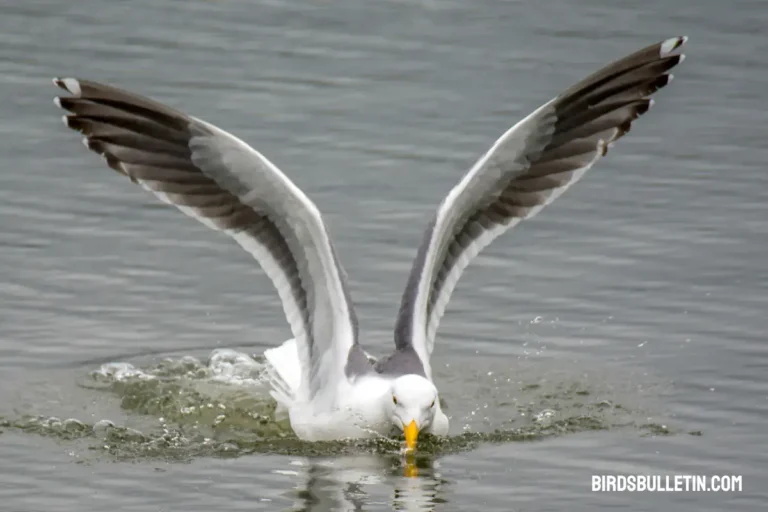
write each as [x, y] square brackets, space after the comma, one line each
[322, 377]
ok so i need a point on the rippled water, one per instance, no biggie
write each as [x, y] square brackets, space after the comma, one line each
[621, 331]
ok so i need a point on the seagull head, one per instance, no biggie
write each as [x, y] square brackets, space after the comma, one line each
[412, 406]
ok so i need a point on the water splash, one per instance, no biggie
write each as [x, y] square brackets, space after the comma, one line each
[221, 408]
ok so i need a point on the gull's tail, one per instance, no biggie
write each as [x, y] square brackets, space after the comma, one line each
[284, 375]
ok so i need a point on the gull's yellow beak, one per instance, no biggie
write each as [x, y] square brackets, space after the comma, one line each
[411, 434]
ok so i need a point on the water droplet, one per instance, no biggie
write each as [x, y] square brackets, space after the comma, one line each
[101, 427]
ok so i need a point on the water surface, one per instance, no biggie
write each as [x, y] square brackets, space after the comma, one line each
[621, 331]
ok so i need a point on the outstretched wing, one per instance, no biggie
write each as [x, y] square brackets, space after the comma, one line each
[222, 182]
[526, 169]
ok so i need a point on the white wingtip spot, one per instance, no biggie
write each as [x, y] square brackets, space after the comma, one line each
[682, 58]
[670, 77]
[671, 44]
[85, 142]
[70, 84]
[65, 120]
[57, 101]
[651, 103]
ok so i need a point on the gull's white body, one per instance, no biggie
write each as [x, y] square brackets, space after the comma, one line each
[357, 414]
[362, 410]
[322, 378]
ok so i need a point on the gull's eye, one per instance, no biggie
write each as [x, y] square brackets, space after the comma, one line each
[432, 404]
[394, 399]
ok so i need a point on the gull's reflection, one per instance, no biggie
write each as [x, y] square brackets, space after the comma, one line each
[363, 482]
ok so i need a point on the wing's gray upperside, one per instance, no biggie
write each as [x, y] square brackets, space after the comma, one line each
[404, 327]
[403, 361]
[358, 362]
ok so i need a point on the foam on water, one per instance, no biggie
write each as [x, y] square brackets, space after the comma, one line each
[223, 365]
[233, 367]
[120, 372]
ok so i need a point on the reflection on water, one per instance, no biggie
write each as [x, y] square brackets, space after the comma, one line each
[346, 484]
